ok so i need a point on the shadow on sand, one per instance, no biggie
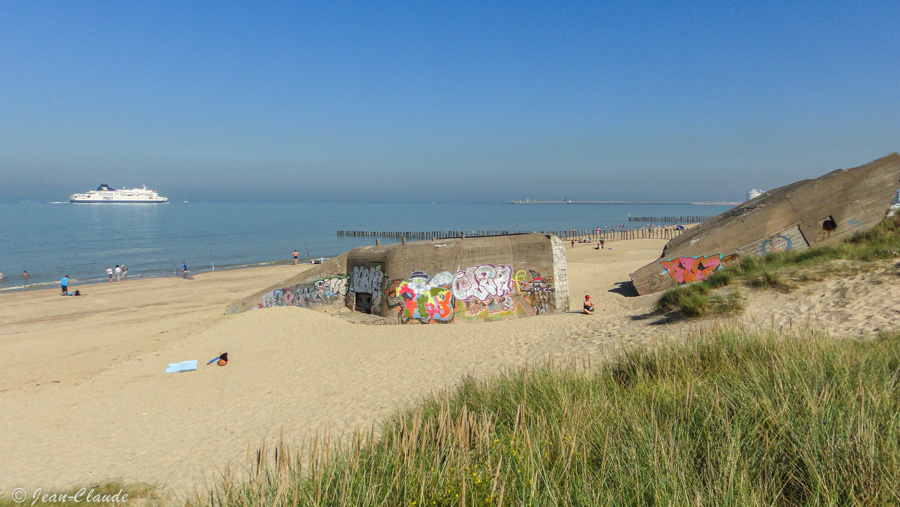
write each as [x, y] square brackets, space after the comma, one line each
[626, 289]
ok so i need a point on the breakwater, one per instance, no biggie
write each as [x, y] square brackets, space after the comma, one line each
[574, 235]
[687, 219]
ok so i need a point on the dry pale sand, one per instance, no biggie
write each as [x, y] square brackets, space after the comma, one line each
[83, 396]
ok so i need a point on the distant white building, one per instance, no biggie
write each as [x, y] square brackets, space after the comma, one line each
[754, 193]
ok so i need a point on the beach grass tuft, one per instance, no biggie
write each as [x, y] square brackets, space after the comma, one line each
[726, 417]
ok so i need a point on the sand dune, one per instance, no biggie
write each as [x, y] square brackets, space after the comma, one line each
[83, 396]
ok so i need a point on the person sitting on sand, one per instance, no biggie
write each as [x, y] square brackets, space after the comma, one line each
[588, 306]
[221, 360]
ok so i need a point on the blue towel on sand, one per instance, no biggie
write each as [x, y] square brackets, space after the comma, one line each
[182, 366]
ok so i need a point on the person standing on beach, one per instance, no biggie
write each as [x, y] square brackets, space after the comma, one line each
[64, 284]
[296, 255]
[184, 270]
[118, 272]
[109, 273]
[124, 272]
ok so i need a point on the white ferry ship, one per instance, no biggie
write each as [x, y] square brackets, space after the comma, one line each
[107, 194]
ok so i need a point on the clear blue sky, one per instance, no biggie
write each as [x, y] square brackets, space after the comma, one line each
[442, 101]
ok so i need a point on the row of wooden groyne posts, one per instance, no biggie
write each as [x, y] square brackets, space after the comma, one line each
[684, 219]
[570, 235]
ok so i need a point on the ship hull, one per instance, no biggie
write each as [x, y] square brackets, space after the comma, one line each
[108, 195]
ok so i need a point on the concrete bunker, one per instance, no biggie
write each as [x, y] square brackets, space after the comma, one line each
[434, 282]
[804, 214]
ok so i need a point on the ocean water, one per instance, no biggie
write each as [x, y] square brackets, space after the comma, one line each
[50, 240]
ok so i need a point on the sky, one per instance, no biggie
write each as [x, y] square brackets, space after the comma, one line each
[442, 101]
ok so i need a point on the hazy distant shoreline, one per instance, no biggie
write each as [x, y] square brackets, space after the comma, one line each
[703, 203]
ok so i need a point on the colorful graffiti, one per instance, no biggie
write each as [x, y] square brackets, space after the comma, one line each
[535, 288]
[305, 295]
[695, 269]
[482, 282]
[423, 298]
[490, 293]
[495, 306]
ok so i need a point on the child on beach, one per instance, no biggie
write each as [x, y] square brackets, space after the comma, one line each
[588, 306]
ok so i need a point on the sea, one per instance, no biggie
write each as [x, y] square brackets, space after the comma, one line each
[53, 239]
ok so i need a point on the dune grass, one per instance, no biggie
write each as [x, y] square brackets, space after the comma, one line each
[725, 418]
[782, 271]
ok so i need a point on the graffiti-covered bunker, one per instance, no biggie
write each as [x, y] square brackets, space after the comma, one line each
[434, 282]
[802, 215]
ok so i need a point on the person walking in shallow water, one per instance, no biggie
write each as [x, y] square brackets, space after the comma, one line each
[124, 272]
[296, 255]
[184, 270]
[109, 273]
[118, 272]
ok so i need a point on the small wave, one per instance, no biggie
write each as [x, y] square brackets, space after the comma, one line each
[29, 286]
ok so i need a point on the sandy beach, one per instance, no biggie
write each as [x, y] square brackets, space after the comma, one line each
[84, 397]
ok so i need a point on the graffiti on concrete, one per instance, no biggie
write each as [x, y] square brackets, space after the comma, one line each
[776, 244]
[482, 282]
[493, 306]
[424, 299]
[309, 294]
[367, 279]
[695, 269]
[534, 288]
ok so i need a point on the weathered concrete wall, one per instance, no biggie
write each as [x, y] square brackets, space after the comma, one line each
[461, 280]
[430, 282]
[322, 284]
[805, 214]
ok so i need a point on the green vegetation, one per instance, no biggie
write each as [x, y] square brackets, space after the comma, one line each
[725, 418]
[781, 271]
